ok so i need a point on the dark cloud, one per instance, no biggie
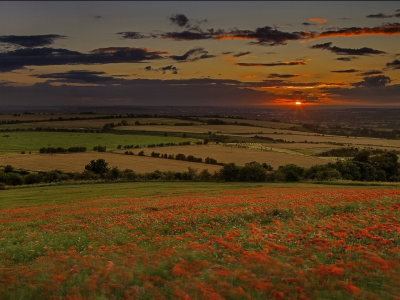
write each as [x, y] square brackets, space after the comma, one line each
[98, 17]
[394, 64]
[241, 54]
[133, 35]
[30, 41]
[173, 69]
[387, 29]
[372, 72]
[373, 81]
[79, 76]
[180, 20]
[226, 53]
[264, 36]
[348, 58]
[397, 15]
[380, 16]
[274, 75]
[345, 71]
[289, 63]
[140, 92]
[346, 51]
[308, 24]
[192, 55]
[20, 58]
[191, 35]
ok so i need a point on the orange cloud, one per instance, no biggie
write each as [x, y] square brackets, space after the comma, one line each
[389, 29]
[318, 20]
[287, 63]
[248, 76]
[229, 57]
[125, 49]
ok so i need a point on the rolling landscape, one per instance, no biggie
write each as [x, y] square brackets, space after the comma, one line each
[198, 155]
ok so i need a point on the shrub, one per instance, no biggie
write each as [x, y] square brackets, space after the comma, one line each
[51, 176]
[141, 153]
[99, 166]
[230, 172]
[33, 178]
[14, 179]
[3, 177]
[253, 171]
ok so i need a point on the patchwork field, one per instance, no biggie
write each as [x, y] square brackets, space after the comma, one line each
[240, 156]
[200, 241]
[75, 162]
[224, 129]
[33, 141]
[359, 141]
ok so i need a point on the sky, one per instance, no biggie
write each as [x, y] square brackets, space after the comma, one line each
[188, 53]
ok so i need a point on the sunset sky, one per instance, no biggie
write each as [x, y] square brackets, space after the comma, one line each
[200, 53]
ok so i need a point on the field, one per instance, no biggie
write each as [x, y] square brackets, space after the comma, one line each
[75, 162]
[200, 241]
[240, 156]
[33, 141]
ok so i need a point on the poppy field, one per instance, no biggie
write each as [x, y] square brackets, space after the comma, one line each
[256, 242]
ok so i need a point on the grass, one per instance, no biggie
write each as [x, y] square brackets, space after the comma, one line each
[33, 141]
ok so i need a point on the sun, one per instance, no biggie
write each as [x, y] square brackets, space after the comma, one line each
[298, 103]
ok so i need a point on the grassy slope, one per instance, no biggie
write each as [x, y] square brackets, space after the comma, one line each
[33, 141]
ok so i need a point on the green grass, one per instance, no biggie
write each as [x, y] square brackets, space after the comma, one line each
[33, 141]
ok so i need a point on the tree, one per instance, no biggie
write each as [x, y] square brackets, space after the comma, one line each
[253, 171]
[99, 166]
[230, 172]
[386, 162]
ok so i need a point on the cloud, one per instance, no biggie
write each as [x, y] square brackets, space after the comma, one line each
[249, 76]
[192, 55]
[318, 20]
[274, 75]
[394, 64]
[98, 17]
[346, 51]
[373, 81]
[30, 41]
[308, 24]
[380, 16]
[79, 76]
[388, 29]
[345, 71]
[347, 58]
[236, 56]
[265, 36]
[372, 72]
[20, 58]
[133, 35]
[180, 20]
[288, 63]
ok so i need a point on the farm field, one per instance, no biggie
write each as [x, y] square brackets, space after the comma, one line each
[33, 141]
[240, 156]
[224, 129]
[200, 241]
[274, 125]
[75, 162]
[39, 117]
[95, 123]
[351, 141]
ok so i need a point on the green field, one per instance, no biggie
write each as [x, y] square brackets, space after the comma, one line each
[33, 141]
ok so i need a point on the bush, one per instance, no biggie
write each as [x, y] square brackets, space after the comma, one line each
[180, 156]
[141, 153]
[230, 172]
[8, 169]
[14, 179]
[33, 178]
[99, 166]
[3, 177]
[205, 175]
[253, 171]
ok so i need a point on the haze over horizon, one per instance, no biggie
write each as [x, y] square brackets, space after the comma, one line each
[222, 53]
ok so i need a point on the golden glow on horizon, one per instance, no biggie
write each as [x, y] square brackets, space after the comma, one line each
[298, 103]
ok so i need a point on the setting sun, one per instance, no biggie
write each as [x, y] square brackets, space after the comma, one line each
[298, 103]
